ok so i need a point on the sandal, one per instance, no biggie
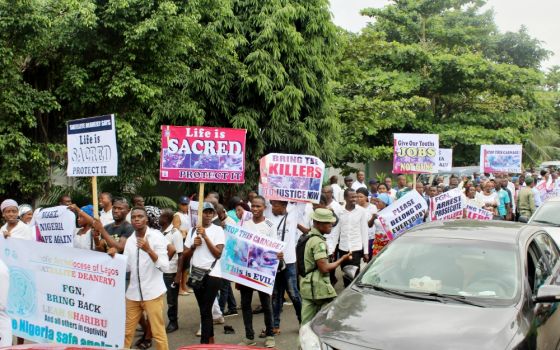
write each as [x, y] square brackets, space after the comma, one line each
[275, 331]
[145, 344]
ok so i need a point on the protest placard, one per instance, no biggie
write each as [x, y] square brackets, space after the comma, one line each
[445, 159]
[250, 258]
[55, 225]
[448, 205]
[496, 159]
[415, 153]
[202, 154]
[291, 177]
[92, 146]
[476, 213]
[65, 295]
[403, 214]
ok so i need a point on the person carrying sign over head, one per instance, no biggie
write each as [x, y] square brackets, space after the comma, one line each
[14, 227]
[351, 233]
[146, 251]
[315, 285]
[260, 225]
[204, 246]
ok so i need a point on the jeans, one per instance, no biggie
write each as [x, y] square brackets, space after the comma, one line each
[247, 311]
[172, 297]
[205, 297]
[227, 297]
[356, 259]
[286, 280]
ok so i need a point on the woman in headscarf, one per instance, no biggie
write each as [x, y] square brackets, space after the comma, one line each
[26, 213]
[82, 235]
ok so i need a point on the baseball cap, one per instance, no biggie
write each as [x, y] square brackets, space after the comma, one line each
[372, 181]
[184, 200]
[208, 205]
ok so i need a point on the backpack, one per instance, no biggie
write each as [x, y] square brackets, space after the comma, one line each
[300, 256]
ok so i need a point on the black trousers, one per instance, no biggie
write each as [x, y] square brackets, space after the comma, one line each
[247, 311]
[205, 297]
[357, 256]
[172, 297]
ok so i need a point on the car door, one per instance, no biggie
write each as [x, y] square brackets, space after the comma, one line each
[545, 257]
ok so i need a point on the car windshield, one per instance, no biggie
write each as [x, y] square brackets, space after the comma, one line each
[482, 271]
[547, 214]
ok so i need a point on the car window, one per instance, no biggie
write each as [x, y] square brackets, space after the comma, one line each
[548, 248]
[537, 266]
[547, 214]
[469, 268]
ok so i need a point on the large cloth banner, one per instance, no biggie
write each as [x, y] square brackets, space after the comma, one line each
[55, 225]
[500, 159]
[403, 214]
[202, 154]
[415, 153]
[448, 205]
[92, 146]
[291, 177]
[476, 213]
[65, 295]
[445, 159]
[250, 259]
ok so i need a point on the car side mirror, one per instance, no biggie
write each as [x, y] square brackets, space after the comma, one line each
[350, 272]
[547, 294]
[523, 219]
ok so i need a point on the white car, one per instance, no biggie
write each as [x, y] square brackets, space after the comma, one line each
[548, 217]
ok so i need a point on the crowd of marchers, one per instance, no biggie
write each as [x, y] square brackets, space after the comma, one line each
[172, 253]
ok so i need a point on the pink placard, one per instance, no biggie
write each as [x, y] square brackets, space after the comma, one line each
[202, 154]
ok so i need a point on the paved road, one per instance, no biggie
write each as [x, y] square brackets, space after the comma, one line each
[189, 319]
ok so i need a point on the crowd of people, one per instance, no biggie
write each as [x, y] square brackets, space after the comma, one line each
[173, 252]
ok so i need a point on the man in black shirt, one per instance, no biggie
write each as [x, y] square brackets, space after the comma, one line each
[116, 233]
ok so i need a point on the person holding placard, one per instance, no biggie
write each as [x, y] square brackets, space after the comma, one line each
[14, 227]
[262, 226]
[204, 246]
[116, 233]
[5, 320]
[146, 250]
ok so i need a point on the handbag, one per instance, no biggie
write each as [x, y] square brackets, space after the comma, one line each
[198, 274]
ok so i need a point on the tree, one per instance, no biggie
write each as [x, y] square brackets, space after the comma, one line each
[430, 67]
[232, 63]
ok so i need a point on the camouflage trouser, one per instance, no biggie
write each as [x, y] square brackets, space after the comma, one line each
[309, 308]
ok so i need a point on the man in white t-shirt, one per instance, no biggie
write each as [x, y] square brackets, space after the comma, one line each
[285, 224]
[106, 212]
[336, 189]
[14, 227]
[5, 320]
[260, 225]
[146, 252]
[351, 233]
[360, 181]
[175, 239]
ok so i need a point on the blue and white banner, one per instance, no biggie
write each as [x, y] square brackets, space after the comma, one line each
[65, 295]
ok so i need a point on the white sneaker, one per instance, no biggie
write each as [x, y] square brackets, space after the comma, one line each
[198, 333]
[269, 342]
[219, 320]
[248, 342]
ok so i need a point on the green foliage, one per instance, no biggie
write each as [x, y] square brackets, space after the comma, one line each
[440, 67]
[263, 66]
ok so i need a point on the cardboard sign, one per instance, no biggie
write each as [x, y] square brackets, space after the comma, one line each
[291, 177]
[250, 259]
[500, 159]
[65, 295]
[55, 225]
[403, 214]
[446, 206]
[92, 147]
[476, 213]
[416, 154]
[445, 159]
[202, 154]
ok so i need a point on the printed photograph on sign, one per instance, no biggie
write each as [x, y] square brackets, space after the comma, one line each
[415, 153]
[500, 159]
[202, 154]
[291, 177]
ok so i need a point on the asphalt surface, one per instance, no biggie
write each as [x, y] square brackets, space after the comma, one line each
[189, 319]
